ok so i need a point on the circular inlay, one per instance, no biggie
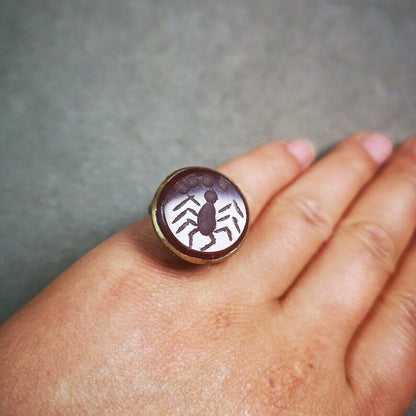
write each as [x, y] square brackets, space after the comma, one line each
[200, 215]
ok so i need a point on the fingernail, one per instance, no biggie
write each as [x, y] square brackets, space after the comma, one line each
[302, 150]
[378, 147]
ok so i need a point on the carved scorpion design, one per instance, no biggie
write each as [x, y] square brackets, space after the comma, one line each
[206, 221]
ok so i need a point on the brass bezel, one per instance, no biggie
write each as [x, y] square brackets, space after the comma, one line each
[164, 240]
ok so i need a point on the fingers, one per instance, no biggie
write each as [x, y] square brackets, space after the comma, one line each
[259, 174]
[266, 169]
[383, 351]
[341, 285]
[297, 221]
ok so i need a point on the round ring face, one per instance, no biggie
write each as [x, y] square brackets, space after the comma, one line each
[200, 215]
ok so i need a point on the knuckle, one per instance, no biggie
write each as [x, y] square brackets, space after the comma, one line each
[311, 211]
[408, 178]
[403, 173]
[354, 156]
[403, 302]
[376, 241]
[357, 164]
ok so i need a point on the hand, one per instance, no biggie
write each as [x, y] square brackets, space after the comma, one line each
[315, 315]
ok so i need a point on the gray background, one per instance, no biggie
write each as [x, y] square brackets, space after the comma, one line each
[101, 99]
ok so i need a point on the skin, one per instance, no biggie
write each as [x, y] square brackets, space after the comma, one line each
[315, 315]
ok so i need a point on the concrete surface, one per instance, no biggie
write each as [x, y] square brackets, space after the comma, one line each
[101, 99]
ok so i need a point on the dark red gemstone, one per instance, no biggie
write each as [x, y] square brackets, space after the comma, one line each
[201, 214]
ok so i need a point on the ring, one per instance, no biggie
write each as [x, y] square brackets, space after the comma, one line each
[200, 215]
